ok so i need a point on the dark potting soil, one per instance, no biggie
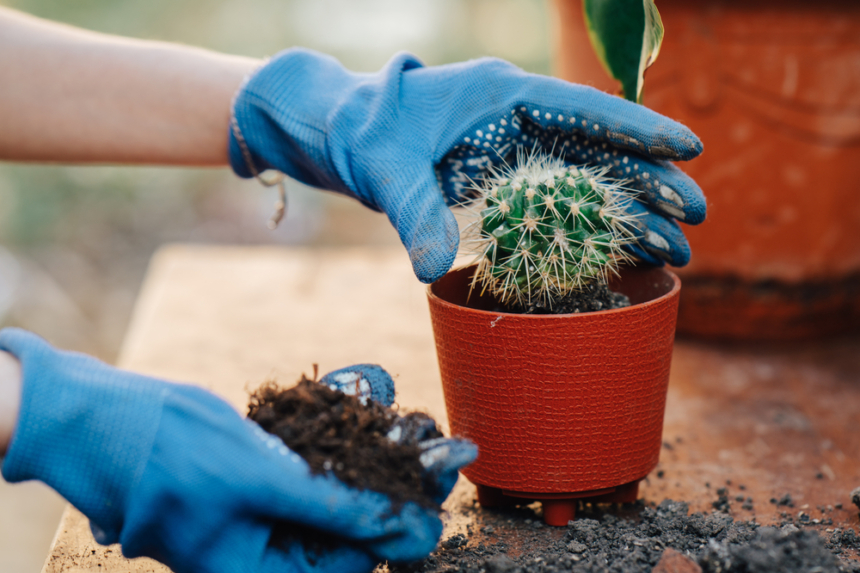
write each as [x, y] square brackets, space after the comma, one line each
[599, 541]
[592, 297]
[336, 433]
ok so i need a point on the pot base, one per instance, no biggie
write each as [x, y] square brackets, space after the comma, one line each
[558, 508]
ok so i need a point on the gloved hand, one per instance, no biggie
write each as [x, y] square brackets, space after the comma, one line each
[391, 138]
[441, 457]
[172, 472]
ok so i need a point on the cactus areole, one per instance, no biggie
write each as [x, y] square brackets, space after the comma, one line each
[545, 231]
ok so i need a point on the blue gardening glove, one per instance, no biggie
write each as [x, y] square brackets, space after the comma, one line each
[441, 457]
[172, 472]
[391, 138]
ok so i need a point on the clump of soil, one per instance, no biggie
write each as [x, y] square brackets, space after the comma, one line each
[591, 297]
[784, 501]
[787, 549]
[606, 543]
[336, 433]
[722, 503]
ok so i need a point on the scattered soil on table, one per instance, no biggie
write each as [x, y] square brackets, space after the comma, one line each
[855, 497]
[632, 539]
[590, 298]
[336, 433]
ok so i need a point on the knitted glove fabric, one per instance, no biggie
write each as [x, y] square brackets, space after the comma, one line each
[391, 139]
[174, 473]
[442, 458]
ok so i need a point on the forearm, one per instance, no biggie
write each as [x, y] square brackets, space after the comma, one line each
[10, 397]
[71, 95]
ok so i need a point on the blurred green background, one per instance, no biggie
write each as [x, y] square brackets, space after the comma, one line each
[75, 241]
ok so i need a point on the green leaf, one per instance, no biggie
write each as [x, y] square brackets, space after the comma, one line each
[626, 35]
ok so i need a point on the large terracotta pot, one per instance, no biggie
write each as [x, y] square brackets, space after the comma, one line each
[562, 407]
[772, 87]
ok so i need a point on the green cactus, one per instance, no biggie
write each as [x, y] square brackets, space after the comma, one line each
[545, 229]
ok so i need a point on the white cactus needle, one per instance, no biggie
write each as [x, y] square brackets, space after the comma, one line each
[543, 229]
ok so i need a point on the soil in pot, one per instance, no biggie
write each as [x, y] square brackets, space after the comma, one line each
[590, 298]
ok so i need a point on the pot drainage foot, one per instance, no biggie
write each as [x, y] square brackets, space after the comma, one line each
[558, 508]
[559, 512]
[494, 497]
[627, 493]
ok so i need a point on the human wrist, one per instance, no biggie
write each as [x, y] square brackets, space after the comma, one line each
[10, 398]
[74, 95]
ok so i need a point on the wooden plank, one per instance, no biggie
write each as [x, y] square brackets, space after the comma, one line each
[771, 419]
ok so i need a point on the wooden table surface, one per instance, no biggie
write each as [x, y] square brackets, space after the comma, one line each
[774, 420]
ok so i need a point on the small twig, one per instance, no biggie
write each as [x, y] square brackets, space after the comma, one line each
[280, 206]
[268, 178]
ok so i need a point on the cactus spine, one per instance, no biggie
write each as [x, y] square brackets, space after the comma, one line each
[545, 229]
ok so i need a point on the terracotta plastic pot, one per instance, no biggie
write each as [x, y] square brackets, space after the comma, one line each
[772, 87]
[562, 407]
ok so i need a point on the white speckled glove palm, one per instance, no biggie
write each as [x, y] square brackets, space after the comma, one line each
[392, 138]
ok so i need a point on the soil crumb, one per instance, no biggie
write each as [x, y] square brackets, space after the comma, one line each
[591, 298]
[606, 543]
[337, 433]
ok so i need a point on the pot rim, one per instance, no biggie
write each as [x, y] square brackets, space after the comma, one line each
[673, 292]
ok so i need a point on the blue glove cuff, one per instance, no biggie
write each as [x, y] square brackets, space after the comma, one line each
[281, 116]
[62, 440]
[286, 116]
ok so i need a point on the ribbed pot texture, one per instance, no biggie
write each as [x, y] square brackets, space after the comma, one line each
[557, 403]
